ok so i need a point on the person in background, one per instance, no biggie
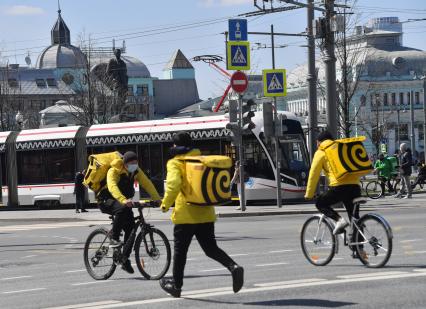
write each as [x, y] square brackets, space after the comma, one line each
[79, 192]
[236, 180]
[384, 169]
[406, 161]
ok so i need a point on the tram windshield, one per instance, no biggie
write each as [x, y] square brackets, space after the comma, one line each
[294, 158]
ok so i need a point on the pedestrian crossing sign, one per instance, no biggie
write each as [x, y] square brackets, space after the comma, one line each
[274, 83]
[238, 55]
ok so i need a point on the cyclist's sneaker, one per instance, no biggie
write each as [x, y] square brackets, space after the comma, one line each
[398, 195]
[127, 266]
[169, 286]
[340, 225]
[237, 277]
[115, 243]
[408, 196]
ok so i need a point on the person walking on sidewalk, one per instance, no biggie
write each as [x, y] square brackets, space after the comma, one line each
[236, 180]
[190, 220]
[79, 192]
[406, 161]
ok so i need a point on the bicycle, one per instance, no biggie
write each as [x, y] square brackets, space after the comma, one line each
[374, 189]
[371, 246]
[152, 250]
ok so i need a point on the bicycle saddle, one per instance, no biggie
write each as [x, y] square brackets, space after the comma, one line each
[359, 200]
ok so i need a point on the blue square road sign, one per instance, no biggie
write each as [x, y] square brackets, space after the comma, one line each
[237, 29]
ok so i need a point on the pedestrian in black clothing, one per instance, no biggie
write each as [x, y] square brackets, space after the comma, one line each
[79, 192]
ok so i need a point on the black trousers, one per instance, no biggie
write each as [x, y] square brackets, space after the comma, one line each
[123, 220]
[79, 200]
[345, 194]
[385, 181]
[204, 232]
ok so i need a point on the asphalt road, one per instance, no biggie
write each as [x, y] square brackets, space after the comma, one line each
[43, 268]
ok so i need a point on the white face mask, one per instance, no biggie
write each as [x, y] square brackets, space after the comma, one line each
[132, 168]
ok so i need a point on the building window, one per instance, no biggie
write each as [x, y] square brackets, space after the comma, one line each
[130, 91]
[420, 128]
[393, 98]
[401, 98]
[40, 83]
[385, 99]
[408, 98]
[372, 101]
[51, 82]
[142, 90]
[417, 98]
[403, 132]
[377, 99]
[13, 83]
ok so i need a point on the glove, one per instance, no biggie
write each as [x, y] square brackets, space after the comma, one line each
[163, 208]
[155, 204]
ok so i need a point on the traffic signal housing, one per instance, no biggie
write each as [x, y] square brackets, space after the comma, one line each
[247, 124]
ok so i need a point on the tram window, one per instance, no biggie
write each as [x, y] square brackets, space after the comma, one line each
[31, 167]
[257, 163]
[294, 156]
[3, 170]
[210, 147]
[60, 165]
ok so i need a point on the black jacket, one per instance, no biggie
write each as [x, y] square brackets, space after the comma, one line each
[406, 163]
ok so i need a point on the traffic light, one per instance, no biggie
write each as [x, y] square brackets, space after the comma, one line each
[268, 120]
[233, 125]
[248, 113]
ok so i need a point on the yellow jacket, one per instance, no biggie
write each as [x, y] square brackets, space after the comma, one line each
[183, 213]
[113, 177]
[319, 163]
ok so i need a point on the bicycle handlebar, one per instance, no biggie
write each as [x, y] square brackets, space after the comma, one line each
[149, 204]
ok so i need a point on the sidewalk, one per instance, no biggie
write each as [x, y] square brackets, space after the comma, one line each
[63, 215]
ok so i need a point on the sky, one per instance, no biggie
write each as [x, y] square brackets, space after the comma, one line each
[153, 30]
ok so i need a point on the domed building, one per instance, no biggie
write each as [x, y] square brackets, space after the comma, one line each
[388, 80]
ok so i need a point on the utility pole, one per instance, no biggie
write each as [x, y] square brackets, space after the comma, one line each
[330, 73]
[412, 135]
[277, 134]
[424, 114]
[241, 152]
[312, 81]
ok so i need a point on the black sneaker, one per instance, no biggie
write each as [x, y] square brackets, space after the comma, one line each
[115, 243]
[237, 278]
[169, 286]
[84, 210]
[127, 267]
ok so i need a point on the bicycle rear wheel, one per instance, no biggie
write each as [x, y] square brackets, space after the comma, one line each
[98, 257]
[317, 241]
[374, 190]
[153, 254]
[373, 242]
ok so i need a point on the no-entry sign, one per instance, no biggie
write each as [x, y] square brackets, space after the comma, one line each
[239, 82]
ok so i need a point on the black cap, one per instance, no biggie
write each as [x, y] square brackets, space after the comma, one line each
[182, 139]
[129, 156]
[324, 135]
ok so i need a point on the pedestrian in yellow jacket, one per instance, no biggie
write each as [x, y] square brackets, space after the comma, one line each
[190, 220]
[338, 190]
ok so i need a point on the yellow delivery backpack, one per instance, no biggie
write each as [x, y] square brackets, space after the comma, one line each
[96, 172]
[348, 156]
[207, 180]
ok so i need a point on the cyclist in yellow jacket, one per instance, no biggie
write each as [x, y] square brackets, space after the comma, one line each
[338, 191]
[116, 199]
[190, 220]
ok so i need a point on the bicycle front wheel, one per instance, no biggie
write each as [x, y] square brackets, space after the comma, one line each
[153, 254]
[374, 190]
[373, 241]
[98, 257]
[317, 241]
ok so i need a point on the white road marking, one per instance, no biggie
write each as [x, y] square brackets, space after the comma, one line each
[271, 264]
[228, 291]
[191, 259]
[338, 258]
[289, 282]
[23, 291]
[74, 271]
[419, 269]
[214, 269]
[28, 256]
[410, 240]
[280, 251]
[376, 274]
[239, 254]
[13, 278]
[418, 252]
[205, 291]
[77, 306]
[91, 282]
